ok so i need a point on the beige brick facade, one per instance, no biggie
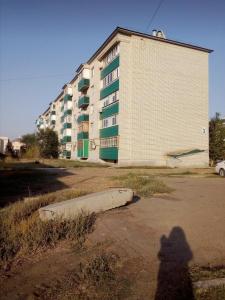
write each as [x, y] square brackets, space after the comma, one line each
[163, 102]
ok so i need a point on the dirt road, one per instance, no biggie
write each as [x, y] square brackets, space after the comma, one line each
[185, 226]
[155, 237]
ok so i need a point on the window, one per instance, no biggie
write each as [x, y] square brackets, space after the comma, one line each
[114, 120]
[111, 55]
[111, 99]
[108, 79]
[110, 121]
[105, 123]
[109, 142]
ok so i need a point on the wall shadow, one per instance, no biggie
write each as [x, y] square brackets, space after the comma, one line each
[28, 180]
[174, 282]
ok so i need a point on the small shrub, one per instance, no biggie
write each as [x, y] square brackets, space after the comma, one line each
[100, 269]
[33, 151]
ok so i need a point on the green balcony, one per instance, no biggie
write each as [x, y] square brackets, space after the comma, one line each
[53, 113]
[83, 102]
[83, 118]
[62, 108]
[66, 139]
[82, 135]
[109, 89]
[67, 125]
[112, 66]
[109, 111]
[83, 84]
[52, 122]
[66, 154]
[67, 97]
[68, 112]
[62, 119]
[109, 131]
[110, 153]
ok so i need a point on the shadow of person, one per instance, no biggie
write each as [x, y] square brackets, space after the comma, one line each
[174, 282]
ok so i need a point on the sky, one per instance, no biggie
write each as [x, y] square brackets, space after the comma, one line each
[42, 42]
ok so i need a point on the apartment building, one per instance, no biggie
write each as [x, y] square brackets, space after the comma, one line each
[139, 100]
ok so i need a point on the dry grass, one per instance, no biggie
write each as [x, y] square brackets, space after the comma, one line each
[67, 163]
[144, 184]
[47, 163]
[212, 293]
[207, 272]
[201, 273]
[22, 231]
[99, 277]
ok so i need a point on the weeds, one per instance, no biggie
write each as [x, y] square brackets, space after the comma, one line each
[212, 293]
[207, 272]
[23, 209]
[65, 163]
[144, 185]
[99, 277]
[21, 229]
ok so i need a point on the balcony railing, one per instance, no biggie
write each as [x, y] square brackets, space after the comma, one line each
[83, 102]
[67, 97]
[67, 125]
[109, 131]
[83, 84]
[82, 118]
[66, 139]
[82, 135]
[68, 112]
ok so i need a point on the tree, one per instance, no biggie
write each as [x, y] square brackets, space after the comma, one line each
[48, 143]
[217, 138]
[9, 149]
[30, 139]
[31, 148]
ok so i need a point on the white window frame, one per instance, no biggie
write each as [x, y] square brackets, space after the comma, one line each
[112, 98]
[108, 122]
[110, 78]
[113, 53]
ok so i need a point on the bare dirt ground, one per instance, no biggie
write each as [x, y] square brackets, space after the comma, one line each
[153, 236]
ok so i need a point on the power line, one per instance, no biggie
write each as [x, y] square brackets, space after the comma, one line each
[154, 14]
[33, 77]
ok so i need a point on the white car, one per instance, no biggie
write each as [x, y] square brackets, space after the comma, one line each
[220, 168]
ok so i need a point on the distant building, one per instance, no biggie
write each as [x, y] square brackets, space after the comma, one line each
[17, 144]
[139, 100]
[3, 144]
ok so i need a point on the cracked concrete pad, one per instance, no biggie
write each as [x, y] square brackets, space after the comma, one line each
[96, 202]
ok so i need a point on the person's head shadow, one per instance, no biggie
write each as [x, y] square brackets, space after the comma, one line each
[174, 282]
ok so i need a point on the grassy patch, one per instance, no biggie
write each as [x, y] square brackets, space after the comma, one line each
[144, 185]
[99, 277]
[145, 167]
[201, 273]
[212, 293]
[21, 230]
[65, 163]
[28, 164]
[207, 272]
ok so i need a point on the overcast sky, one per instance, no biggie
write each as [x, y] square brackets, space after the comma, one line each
[44, 41]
